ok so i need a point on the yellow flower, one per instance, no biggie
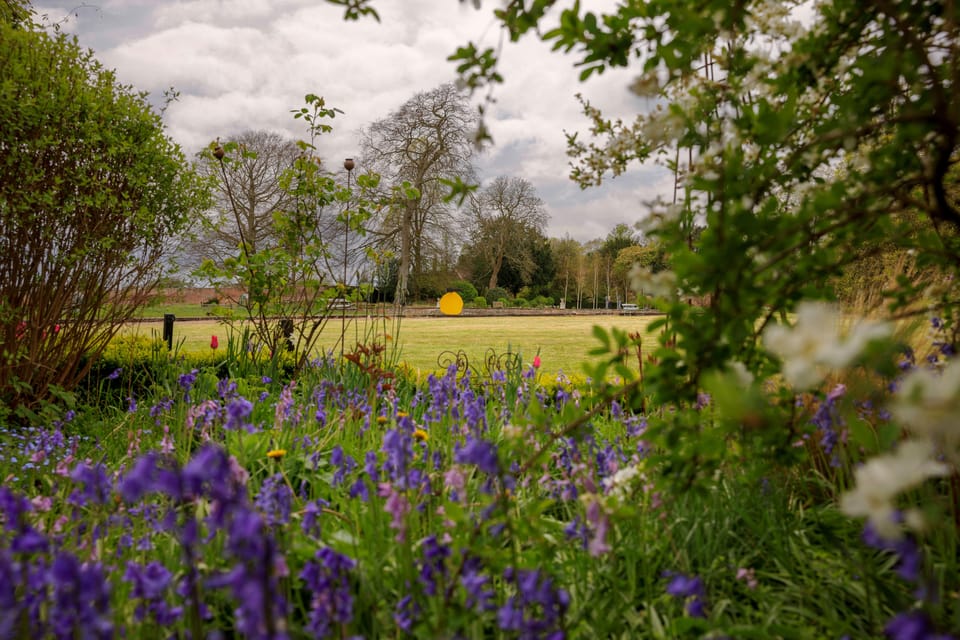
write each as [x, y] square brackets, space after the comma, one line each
[276, 453]
[402, 414]
[420, 434]
[381, 419]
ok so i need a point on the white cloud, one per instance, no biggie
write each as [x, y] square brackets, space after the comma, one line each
[244, 64]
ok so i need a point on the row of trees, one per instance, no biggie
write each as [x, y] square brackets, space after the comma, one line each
[417, 240]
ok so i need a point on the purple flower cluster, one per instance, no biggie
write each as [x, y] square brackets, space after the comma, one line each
[830, 423]
[537, 608]
[328, 579]
[691, 590]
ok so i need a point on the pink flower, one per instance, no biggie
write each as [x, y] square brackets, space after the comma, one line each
[214, 343]
[536, 362]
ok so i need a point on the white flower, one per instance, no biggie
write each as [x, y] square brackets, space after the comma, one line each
[662, 284]
[620, 482]
[815, 343]
[928, 403]
[881, 479]
[740, 373]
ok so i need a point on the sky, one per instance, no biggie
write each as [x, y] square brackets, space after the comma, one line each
[245, 64]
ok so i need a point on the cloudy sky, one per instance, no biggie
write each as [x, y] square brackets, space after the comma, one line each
[245, 64]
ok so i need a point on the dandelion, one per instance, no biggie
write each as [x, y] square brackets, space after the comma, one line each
[276, 453]
[382, 419]
[420, 434]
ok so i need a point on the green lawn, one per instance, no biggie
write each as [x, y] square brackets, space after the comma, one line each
[562, 341]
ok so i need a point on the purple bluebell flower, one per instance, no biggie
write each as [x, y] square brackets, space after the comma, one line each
[344, 464]
[433, 565]
[238, 414]
[94, 484]
[476, 585]
[275, 500]
[478, 452]
[115, 373]
[81, 599]
[691, 589]
[828, 420]
[537, 609]
[186, 382]
[577, 530]
[328, 579]
[398, 446]
[913, 625]
[226, 388]
[150, 584]
[311, 516]
[909, 563]
[406, 613]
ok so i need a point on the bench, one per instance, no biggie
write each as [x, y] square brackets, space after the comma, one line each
[339, 304]
[628, 309]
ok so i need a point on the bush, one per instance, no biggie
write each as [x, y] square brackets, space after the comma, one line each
[496, 294]
[466, 290]
[480, 302]
[90, 198]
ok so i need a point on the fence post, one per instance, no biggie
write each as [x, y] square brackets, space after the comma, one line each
[168, 319]
[286, 327]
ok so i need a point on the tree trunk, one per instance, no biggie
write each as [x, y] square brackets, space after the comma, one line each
[495, 270]
[400, 296]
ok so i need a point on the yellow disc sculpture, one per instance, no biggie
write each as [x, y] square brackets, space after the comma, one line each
[451, 304]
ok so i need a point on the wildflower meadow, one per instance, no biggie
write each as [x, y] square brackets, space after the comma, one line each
[349, 502]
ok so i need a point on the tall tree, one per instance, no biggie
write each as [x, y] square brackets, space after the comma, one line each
[567, 253]
[415, 150]
[249, 194]
[502, 216]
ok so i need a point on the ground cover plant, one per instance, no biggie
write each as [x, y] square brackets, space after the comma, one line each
[350, 503]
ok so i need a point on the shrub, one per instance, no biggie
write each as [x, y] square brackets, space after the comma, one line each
[466, 290]
[88, 203]
[480, 302]
[495, 294]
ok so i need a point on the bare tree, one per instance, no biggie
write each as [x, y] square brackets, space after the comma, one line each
[415, 149]
[249, 193]
[502, 215]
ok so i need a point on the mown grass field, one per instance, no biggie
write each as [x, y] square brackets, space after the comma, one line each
[563, 342]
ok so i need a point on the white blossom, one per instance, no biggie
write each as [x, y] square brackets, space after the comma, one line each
[815, 343]
[882, 478]
[621, 482]
[928, 404]
[662, 284]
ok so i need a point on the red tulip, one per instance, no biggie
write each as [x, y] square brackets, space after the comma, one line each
[214, 343]
[536, 362]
